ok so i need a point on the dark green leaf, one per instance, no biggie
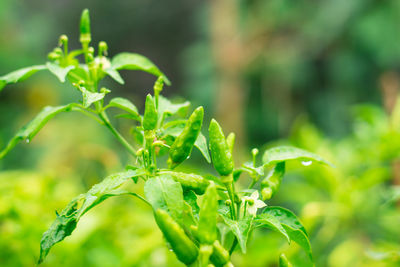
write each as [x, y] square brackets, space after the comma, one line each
[241, 230]
[58, 71]
[19, 75]
[291, 224]
[34, 126]
[284, 153]
[68, 218]
[125, 105]
[131, 61]
[164, 193]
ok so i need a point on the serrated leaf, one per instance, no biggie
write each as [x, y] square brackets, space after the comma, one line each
[68, 218]
[291, 224]
[58, 71]
[113, 73]
[33, 127]
[19, 75]
[163, 192]
[240, 229]
[132, 61]
[284, 153]
[126, 105]
[201, 144]
[167, 108]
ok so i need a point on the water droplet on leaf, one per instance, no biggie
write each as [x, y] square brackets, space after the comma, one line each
[306, 163]
[28, 140]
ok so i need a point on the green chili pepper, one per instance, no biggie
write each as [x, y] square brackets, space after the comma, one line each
[150, 114]
[85, 27]
[183, 144]
[207, 228]
[283, 261]
[271, 183]
[184, 249]
[220, 152]
[220, 256]
[191, 181]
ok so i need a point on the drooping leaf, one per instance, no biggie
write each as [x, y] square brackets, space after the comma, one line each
[132, 61]
[19, 75]
[240, 229]
[33, 127]
[167, 108]
[289, 222]
[164, 193]
[113, 73]
[58, 71]
[284, 153]
[68, 218]
[201, 144]
[125, 105]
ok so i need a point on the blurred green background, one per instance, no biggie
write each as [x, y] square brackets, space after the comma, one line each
[321, 75]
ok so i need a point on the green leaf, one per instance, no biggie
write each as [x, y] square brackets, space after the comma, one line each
[115, 75]
[19, 75]
[291, 224]
[90, 97]
[33, 127]
[132, 61]
[68, 218]
[201, 144]
[284, 153]
[77, 74]
[191, 199]
[126, 105]
[167, 108]
[240, 229]
[58, 71]
[163, 192]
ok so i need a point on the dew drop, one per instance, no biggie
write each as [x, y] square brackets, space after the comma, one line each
[27, 141]
[306, 163]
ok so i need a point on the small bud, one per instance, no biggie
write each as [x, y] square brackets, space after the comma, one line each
[58, 51]
[228, 202]
[103, 48]
[250, 201]
[158, 85]
[85, 27]
[266, 193]
[104, 90]
[53, 56]
[139, 153]
[63, 40]
[254, 152]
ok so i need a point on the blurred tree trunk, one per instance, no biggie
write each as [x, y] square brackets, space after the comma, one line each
[390, 84]
[227, 50]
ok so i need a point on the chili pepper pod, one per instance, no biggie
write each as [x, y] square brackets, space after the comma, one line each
[284, 262]
[183, 144]
[85, 36]
[271, 183]
[190, 181]
[184, 248]
[207, 228]
[150, 114]
[220, 152]
[220, 256]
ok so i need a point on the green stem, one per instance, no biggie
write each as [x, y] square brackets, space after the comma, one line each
[235, 241]
[252, 183]
[103, 116]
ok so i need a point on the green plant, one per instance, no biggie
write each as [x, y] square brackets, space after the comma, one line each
[197, 234]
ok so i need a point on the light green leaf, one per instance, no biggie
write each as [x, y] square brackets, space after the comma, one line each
[19, 75]
[240, 229]
[164, 193]
[58, 71]
[291, 224]
[166, 108]
[90, 97]
[248, 167]
[68, 218]
[201, 144]
[113, 73]
[284, 153]
[77, 74]
[33, 127]
[132, 61]
[125, 105]
[270, 221]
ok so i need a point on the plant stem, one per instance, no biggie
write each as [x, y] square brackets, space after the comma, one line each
[252, 183]
[103, 116]
[235, 241]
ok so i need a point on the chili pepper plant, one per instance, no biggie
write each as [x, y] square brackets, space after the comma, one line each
[204, 218]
